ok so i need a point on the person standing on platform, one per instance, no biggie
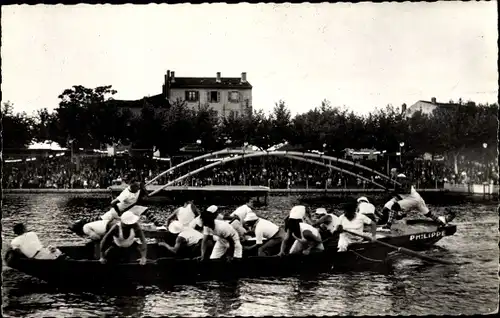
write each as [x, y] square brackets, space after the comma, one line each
[96, 227]
[403, 203]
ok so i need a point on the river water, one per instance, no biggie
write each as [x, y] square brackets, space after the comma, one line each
[412, 288]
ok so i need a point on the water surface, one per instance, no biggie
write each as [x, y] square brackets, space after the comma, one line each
[413, 287]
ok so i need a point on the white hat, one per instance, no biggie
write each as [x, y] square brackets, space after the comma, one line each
[297, 212]
[129, 218]
[212, 209]
[320, 211]
[401, 175]
[175, 227]
[363, 199]
[251, 216]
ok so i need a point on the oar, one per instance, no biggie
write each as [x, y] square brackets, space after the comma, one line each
[401, 249]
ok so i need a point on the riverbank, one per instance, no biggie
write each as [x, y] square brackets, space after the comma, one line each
[473, 189]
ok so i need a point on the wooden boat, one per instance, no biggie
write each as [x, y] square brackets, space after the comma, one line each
[81, 270]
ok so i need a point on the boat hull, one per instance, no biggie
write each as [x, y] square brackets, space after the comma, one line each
[82, 271]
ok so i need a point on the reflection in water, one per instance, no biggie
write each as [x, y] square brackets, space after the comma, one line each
[414, 287]
[221, 298]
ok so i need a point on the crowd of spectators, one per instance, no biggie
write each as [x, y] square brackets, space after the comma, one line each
[60, 172]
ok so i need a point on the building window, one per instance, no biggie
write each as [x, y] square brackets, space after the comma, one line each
[236, 113]
[234, 97]
[192, 96]
[213, 97]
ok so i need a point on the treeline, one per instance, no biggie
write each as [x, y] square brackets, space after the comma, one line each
[89, 118]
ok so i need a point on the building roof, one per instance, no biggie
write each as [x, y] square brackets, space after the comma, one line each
[209, 82]
[440, 104]
[155, 100]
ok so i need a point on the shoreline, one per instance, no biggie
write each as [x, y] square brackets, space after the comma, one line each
[472, 190]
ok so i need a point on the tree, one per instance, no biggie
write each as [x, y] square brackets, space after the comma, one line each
[464, 126]
[17, 128]
[280, 118]
[84, 117]
[177, 127]
[205, 125]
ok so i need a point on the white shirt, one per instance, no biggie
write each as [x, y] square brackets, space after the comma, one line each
[298, 212]
[191, 236]
[28, 243]
[390, 203]
[195, 222]
[241, 212]
[223, 230]
[366, 208]
[264, 229]
[238, 227]
[335, 220]
[127, 198]
[355, 225]
[185, 215]
[307, 227]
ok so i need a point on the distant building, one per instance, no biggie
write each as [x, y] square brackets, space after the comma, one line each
[222, 94]
[427, 107]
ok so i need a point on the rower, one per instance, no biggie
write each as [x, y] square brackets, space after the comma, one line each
[352, 221]
[326, 221]
[28, 244]
[263, 229]
[307, 239]
[188, 241]
[121, 239]
[366, 208]
[405, 203]
[185, 214]
[197, 224]
[227, 239]
[298, 214]
[237, 218]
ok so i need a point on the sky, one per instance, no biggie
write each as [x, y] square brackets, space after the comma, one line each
[362, 56]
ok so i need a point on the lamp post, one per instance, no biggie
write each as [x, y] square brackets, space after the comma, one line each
[401, 145]
[485, 145]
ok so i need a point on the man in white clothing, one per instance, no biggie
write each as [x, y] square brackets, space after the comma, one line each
[185, 214]
[263, 229]
[96, 227]
[237, 218]
[403, 203]
[326, 221]
[354, 222]
[366, 208]
[28, 244]
[188, 240]
[227, 242]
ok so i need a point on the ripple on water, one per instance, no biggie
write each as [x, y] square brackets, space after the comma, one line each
[414, 287]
